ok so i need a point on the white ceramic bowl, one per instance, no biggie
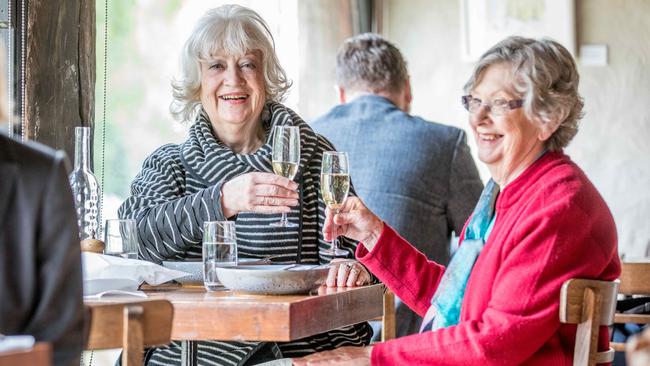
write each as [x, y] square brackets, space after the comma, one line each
[272, 279]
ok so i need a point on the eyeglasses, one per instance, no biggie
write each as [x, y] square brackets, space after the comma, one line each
[497, 107]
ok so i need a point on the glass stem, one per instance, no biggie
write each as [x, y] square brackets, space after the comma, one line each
[335, 236]
[284, 219]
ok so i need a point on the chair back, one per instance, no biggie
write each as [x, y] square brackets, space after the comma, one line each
[589, 304]
[635, 280]
[131, 326]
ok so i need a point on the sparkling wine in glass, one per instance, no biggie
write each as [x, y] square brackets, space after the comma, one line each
[285, 159]
[335, 186]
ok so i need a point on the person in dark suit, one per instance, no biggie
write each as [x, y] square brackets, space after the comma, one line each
[417, 175]
[40, 260]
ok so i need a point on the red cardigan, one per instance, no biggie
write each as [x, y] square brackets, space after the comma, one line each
[551, 225]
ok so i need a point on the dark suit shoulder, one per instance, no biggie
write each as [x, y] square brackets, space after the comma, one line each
[29, 153]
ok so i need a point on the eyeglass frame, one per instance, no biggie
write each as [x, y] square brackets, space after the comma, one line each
[503, 108]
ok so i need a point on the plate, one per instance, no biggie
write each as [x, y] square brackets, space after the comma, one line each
[273, 279]
[195, 269]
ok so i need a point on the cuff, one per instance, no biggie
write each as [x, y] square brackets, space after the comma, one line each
[213, 198]
[363, 254]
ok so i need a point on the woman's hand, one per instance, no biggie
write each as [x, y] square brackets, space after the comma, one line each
[258, 192]
[355, 221]
[347, 274]
[344, 356]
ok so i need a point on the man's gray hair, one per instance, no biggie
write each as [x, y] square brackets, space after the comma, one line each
[368, 62]
[236, 30]
[545, 77]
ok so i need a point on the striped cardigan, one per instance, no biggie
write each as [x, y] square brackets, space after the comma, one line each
[179, 188]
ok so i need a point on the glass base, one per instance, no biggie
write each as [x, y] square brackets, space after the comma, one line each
[334, 252]
[214, 287]
[283, 224]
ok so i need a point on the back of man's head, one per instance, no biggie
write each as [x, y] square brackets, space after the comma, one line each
[368, 62]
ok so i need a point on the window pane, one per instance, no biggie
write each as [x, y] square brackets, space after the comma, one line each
[144, 40]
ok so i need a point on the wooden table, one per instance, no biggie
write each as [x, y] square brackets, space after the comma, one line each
[230, 316]
[39, 355]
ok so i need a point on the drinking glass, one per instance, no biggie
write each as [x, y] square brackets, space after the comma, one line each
[334, 186]
[219, 250]
[285, 159]
[121, 238]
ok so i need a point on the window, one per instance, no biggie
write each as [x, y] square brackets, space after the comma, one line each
[144, 41]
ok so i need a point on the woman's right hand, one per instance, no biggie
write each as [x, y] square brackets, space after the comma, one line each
[355, 221]
[258, 192]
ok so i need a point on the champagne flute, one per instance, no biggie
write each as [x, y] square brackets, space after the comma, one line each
[285, 159]
[334, 186]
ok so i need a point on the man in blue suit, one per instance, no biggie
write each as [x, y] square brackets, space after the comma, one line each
[417, 175]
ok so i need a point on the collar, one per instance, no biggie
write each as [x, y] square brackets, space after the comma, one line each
[202, 150]
[515, 190]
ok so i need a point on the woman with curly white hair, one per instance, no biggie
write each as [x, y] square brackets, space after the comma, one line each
[538, 223]
[230, 89]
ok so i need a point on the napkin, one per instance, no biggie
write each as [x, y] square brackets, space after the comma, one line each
[15, 343]
[105, 275]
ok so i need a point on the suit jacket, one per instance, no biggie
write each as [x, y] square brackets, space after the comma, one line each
[40, 261]
[418, 176]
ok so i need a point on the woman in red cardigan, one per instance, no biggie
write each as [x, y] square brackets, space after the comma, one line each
[539, 222]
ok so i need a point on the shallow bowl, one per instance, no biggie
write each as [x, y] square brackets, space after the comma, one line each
[195, 269]
[272, 279]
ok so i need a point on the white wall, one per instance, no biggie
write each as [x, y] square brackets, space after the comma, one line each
[613, 143]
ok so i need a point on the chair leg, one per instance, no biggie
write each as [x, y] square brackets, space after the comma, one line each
[132, 336]
[388, 323]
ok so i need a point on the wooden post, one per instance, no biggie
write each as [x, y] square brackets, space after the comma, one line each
[60, 70]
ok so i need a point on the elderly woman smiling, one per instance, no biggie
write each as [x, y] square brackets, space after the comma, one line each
[538, 223]
[230, 87]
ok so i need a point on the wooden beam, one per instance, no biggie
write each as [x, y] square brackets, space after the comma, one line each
[60, 70]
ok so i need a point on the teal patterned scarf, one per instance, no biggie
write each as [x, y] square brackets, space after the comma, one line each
[448, 298]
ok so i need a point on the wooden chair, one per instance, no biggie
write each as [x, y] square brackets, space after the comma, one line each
[131, 326]
[388, 322]
[635, 280]
[589, 304]
[39, 355]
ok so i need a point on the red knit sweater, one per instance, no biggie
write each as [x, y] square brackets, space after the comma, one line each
[551, 225]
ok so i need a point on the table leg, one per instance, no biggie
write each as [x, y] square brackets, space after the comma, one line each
[188, 353]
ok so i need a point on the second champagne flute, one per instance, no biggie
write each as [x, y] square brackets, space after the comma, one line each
[285, 159]
[335, 186]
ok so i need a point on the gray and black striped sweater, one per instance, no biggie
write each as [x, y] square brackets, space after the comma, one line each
[178, 189]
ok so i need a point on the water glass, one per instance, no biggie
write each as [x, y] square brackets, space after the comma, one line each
[121, 238]
[219, 250]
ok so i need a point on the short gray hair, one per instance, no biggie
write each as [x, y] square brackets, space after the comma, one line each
[369, 62]
[546, 78]
[235, 30]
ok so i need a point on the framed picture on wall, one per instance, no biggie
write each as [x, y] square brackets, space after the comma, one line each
[486, 22]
